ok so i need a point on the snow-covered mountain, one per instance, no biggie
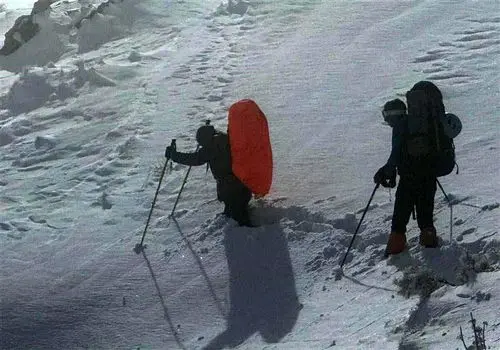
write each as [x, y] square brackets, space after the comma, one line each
[89, 104]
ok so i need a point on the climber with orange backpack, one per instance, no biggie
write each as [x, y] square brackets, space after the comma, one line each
[240, 160]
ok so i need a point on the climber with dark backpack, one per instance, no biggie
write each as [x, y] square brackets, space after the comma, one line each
[422, 150]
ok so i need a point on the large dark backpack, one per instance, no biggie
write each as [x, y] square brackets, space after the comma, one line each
[425, 137]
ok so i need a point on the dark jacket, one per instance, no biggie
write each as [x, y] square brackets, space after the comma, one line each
[218, 155]
[400, 159]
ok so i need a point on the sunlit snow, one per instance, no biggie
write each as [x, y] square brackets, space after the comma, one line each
[89, 104]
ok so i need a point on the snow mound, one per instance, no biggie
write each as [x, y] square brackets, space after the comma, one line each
[108, 22]
[90, 75]
[31, 91]
[6, 136]
[45, 141]
[34, 88]
[237, 7]
[49, 44]
[66, 27]
[39, 86]
[453, 265]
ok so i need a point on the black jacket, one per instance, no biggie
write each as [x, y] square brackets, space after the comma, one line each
[218, 155]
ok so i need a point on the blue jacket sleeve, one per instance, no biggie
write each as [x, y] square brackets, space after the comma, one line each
[397, 144]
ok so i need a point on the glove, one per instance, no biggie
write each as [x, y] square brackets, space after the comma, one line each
[379, 176]
[386, 176]
[169, 151]
[391, 181]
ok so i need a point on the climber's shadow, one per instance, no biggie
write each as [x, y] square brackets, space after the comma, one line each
[261, 286]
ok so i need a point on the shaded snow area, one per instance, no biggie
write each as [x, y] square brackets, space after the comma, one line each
[90, 102]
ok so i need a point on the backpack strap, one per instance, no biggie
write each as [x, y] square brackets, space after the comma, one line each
[436, 134]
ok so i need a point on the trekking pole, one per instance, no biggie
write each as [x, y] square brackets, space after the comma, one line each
[185, 179]
[359, 225]
[182, 187]
[139, 247]
[451, 208]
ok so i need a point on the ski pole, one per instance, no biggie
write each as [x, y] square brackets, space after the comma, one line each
[451, 208]
[207, 122]
[182, 187]
[139, 246]
[359, 225]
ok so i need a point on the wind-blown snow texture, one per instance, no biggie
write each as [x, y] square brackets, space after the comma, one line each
[85, 116]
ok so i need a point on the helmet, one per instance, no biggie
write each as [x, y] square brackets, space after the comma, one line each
[204, 135]
[393, 111]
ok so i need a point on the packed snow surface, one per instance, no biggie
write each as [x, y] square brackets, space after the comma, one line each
[89, 104]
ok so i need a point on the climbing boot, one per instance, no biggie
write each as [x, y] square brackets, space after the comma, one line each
[428, 237]
[396, 243]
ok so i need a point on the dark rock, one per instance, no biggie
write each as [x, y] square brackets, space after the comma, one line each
[23, 30]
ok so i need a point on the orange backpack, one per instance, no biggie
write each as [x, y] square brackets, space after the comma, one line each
[251, 153]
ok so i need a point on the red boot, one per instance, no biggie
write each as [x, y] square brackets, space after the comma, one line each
[428, 237]
[396, 243]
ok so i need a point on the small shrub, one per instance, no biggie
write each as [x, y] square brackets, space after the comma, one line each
[479, 335]
[417, 282]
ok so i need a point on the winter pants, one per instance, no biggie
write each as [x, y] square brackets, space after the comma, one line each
[413, 192]
[236, 206]
[235, 196]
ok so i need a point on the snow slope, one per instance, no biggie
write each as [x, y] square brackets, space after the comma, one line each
[82, 139]
[18, 4]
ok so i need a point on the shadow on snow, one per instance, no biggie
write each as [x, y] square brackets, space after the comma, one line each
[262, 289]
